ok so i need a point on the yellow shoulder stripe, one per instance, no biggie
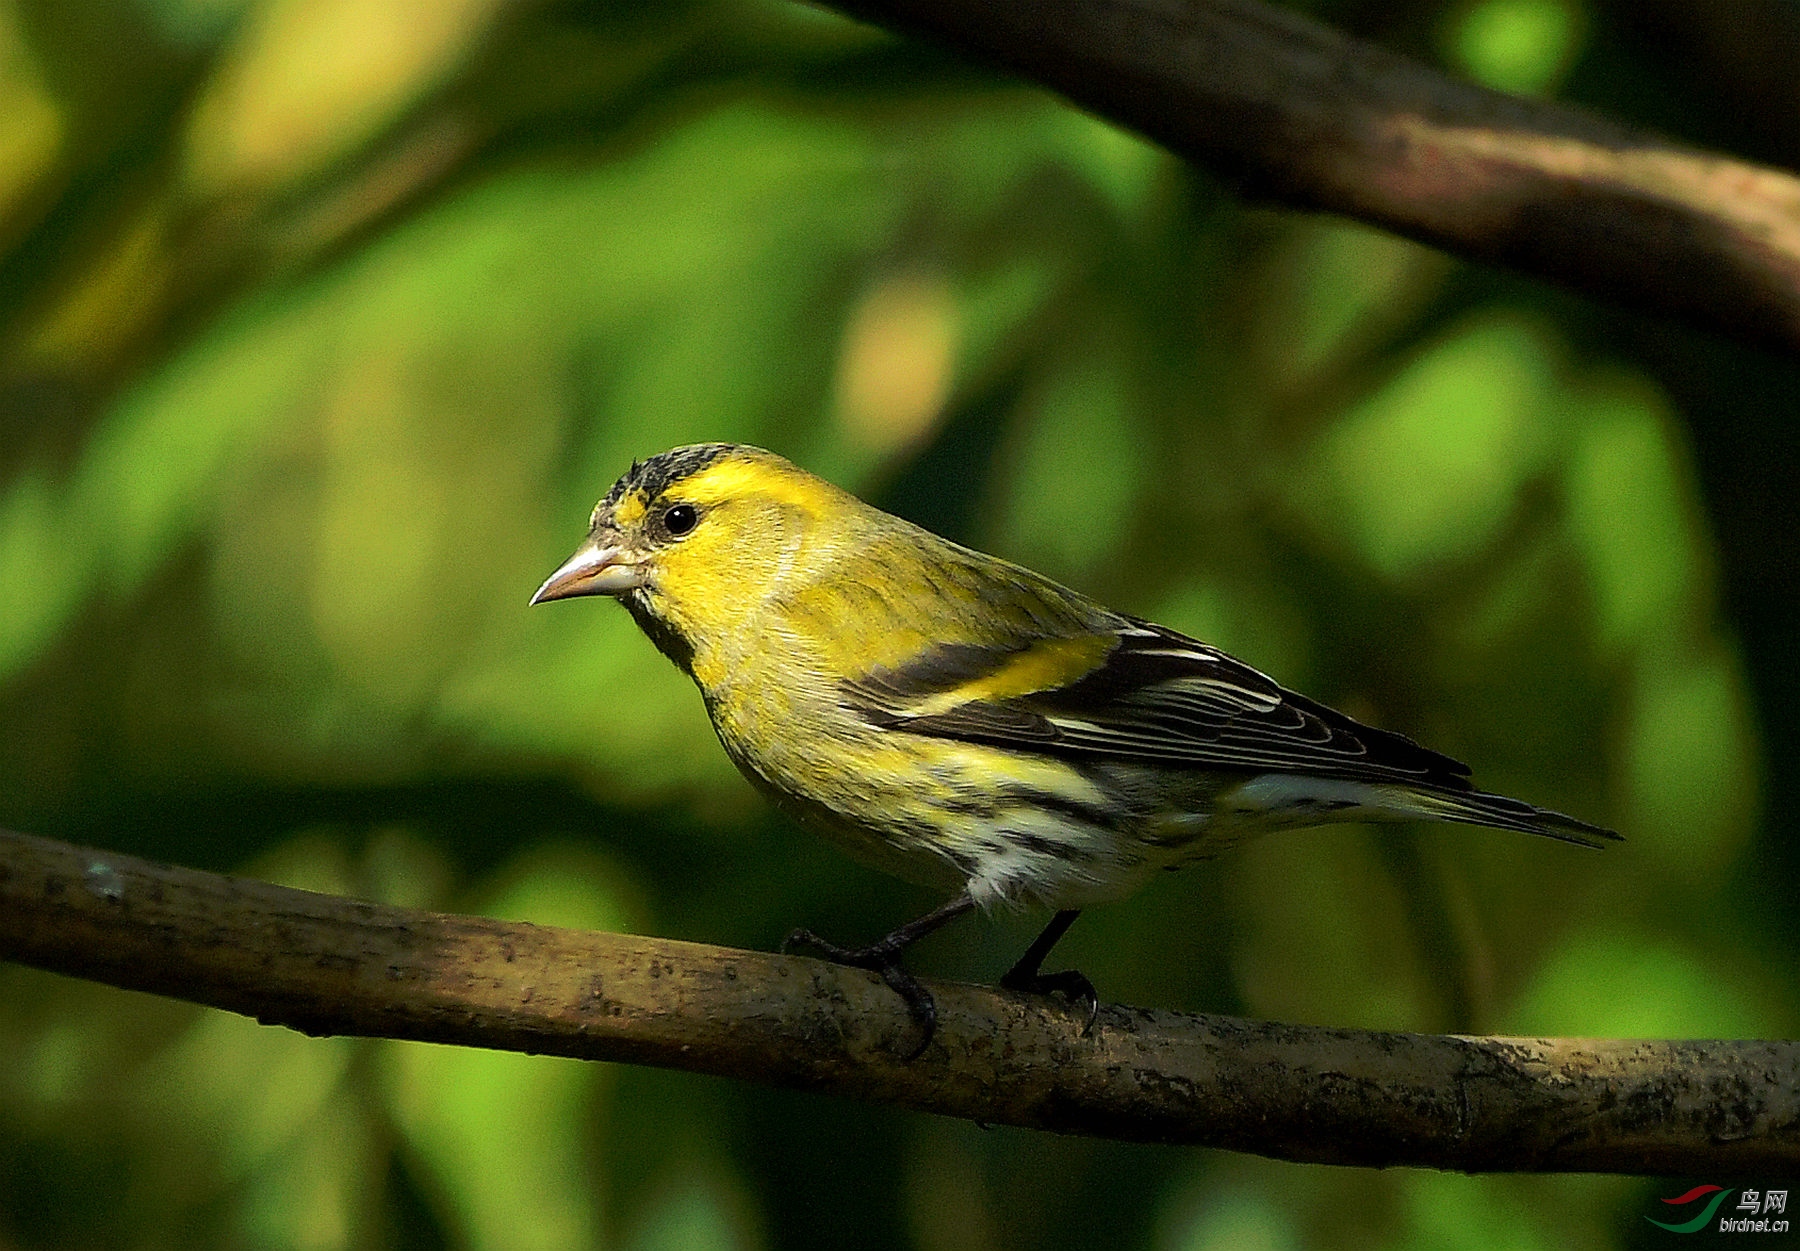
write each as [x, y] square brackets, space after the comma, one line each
[1041, 667]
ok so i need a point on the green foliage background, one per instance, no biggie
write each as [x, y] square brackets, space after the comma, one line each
[324, 322]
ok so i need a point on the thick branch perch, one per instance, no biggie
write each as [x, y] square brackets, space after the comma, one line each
[1302, 114]
[327, 965]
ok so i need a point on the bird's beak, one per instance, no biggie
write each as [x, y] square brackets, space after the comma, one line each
[594, 569]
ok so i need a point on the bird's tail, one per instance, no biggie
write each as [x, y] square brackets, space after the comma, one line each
[1277, 800]
[1483, 808]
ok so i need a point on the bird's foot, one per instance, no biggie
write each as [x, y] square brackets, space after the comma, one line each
[882, 959]
[1070, 983]
[1024, 976]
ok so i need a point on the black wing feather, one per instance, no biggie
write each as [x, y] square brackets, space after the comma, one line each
[1158, 697]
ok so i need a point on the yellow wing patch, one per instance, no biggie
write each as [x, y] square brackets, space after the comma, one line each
[1041, 667]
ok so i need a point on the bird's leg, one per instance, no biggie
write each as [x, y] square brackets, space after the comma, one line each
[883, 958]
[1025, 975]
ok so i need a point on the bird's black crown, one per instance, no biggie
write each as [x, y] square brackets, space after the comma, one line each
[652, 477]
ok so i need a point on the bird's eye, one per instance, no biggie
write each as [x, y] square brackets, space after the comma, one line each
[680, 519]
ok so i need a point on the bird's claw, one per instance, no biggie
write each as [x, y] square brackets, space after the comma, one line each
[1072, 984]
[882, 959]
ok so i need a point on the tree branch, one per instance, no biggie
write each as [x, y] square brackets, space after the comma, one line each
[328, 965]
[1300, 113]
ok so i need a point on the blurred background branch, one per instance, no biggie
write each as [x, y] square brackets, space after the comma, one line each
[327, 965]
[1294, 112]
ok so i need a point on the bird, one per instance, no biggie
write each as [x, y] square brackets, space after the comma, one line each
[969, 725]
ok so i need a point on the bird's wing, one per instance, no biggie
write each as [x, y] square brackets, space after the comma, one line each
[1144, 693]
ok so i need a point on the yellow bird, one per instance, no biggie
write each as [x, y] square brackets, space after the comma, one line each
[970, 725]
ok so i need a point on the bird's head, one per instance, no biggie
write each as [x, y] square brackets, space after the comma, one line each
[695, 539]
